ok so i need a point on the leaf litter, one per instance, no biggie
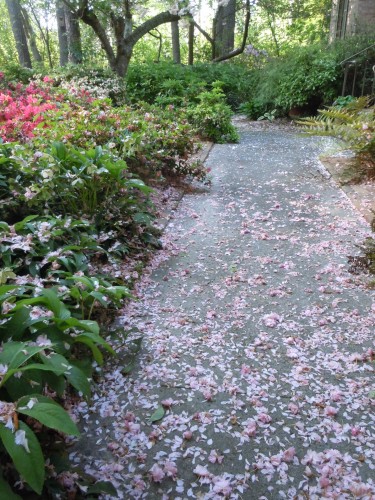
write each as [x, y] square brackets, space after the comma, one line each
[255, 375]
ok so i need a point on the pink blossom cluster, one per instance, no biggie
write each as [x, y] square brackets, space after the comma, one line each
[21, 111]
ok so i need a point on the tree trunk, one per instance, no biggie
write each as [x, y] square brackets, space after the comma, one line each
[223, 29]
[19, 34]
[241, 49]
[176, 42]
[74, 37]
[123, 56]
[30, 35]
[125, 36]
[62, 33]
[191, 44]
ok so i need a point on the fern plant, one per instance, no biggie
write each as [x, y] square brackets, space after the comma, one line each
[354, 124]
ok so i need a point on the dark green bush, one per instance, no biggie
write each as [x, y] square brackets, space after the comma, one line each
[212, 116]
[168, 83]
[305, 77]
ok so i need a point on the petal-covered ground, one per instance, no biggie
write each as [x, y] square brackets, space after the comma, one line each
[258, 344]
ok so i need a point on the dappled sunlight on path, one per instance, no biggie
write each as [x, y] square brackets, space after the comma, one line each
[258, 343]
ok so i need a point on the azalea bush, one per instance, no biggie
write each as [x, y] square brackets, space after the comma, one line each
[22, 108]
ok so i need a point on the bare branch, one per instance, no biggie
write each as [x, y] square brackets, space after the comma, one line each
[204, 33]
[150, 24]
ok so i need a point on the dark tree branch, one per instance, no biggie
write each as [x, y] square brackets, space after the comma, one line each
[158, 37]
[91, 19]
[204, 33]
[147, 26]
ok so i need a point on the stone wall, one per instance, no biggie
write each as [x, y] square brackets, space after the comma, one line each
[350, 17]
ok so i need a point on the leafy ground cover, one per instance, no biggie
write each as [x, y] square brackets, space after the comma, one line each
[73, 206]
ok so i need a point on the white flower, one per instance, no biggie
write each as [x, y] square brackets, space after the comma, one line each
[47, 173]
[20, 439]
[43, 341]
[3, 370]
[31, 403]
[29, 194]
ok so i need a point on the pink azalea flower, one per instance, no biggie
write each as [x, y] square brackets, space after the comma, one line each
[157, 474]
[330, 411]
[264, 418]
[289, 454]
[201, 471]
[170, 469]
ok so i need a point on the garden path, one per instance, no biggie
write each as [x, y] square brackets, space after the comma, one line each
[258, 342]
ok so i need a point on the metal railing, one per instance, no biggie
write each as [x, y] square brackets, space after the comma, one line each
[359, 73]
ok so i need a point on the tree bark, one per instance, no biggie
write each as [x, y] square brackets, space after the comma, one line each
[238, 51]
[30, 35]
[176, 52]
[62, 33]
[223, 29]
[19, 34]
[191, 44]
[74, 36]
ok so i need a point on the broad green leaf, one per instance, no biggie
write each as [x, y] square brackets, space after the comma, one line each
[142, 218]
[102, 487]
[73, 374]
[56, 382]
[157, 415]
[15, 354]
[98, 356]
[95, 338]
[6, 274]
[20, 225]
[100, 298]
[31, 382]
[48, 413]
[79, 381]
[17, 323]
[128, 368]
[86, 325]
[29, 464]
[4, 289]
[6, 492]
[137, 183]
[40, 366]
[55, 304]
[135, 345]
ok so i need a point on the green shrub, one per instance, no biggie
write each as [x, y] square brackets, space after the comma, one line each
[305, 77]
[168, 83]
[212, 116]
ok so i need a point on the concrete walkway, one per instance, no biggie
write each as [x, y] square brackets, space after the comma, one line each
[258, 343]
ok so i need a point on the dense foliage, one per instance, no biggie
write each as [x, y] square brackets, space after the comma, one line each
[72, 207]
[304, 78]
[353, 122]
